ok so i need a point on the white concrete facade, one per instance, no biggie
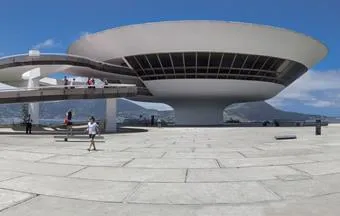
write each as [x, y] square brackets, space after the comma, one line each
[200, 36]
[213, 88]
[202, 101]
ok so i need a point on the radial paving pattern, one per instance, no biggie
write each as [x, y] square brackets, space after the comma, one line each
[174, 171]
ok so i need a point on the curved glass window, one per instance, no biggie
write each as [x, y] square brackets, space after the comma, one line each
[216, 65]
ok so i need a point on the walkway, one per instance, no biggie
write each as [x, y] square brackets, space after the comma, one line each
[53, 93]
[174, 171]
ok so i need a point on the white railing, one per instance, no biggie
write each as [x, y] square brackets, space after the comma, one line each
[61, 54]
[84, 86]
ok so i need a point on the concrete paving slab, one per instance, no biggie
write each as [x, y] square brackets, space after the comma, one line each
[201, 193]
[105, 153]
[280, 146]
[10, 198]
[53, 206]
[132, 174]
[327, 205]
[87, 161]
[161, 160]
[228, 149]
[71, 188]
[198, 155]
[241, 174]
[19, 155]
[38, 168]
[322, 157]
[58, 150]
[267, 161]
[318, 186]
[157, 150]
[4, 175]
[279, 152]
[319, 168]
[173, 163]
[294, 177]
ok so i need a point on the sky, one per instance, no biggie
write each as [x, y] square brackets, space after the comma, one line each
[51, 26]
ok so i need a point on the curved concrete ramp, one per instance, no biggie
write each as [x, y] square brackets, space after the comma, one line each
[60, 93]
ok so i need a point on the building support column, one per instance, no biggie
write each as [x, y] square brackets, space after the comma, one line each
[198, 112]
[111, 115]
[32, 78]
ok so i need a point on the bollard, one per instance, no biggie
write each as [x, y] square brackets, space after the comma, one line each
[318, 126]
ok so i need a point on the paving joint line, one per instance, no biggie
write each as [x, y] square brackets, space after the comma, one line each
[46, 158]
[81, 169]
[163, 154]
[123, 150]
[218, 163]
[270, 190]
[133, 192]
[243, 155]
[186, 175]
[9, 179]
[20, 202]
[127, 162]
[300, 171]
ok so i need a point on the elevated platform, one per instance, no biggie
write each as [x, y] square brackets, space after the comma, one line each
[53, 93]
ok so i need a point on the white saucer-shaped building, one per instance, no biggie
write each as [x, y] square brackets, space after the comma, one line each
[200, 67]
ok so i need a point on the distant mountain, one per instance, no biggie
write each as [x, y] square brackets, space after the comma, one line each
[260, 111]
[126, 106]
[253, 111]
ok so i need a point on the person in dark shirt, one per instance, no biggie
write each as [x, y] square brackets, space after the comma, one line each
[28, 123]
[69, 122]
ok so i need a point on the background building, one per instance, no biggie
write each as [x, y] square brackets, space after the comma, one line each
[200, 67]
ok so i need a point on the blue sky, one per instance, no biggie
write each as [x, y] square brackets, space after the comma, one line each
[53, 25]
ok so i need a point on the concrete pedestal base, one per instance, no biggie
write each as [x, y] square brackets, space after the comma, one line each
[110, 115]
[198, 112]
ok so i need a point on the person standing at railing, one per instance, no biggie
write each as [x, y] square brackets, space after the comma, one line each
[89, 82]
[106, 83]
[65, 82]
[72, 82]
[93, 82]
[28, 123]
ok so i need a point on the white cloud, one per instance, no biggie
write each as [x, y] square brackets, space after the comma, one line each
[321, 103]
[314, 88]
[84, 34]
[49, 43]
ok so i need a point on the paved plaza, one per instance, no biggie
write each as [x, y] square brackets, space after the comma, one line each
[174, 171]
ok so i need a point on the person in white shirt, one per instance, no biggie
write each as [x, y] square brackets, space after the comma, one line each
[72, 83]
[92, 129]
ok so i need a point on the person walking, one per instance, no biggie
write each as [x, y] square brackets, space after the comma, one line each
[28, 123]
[92, 129]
